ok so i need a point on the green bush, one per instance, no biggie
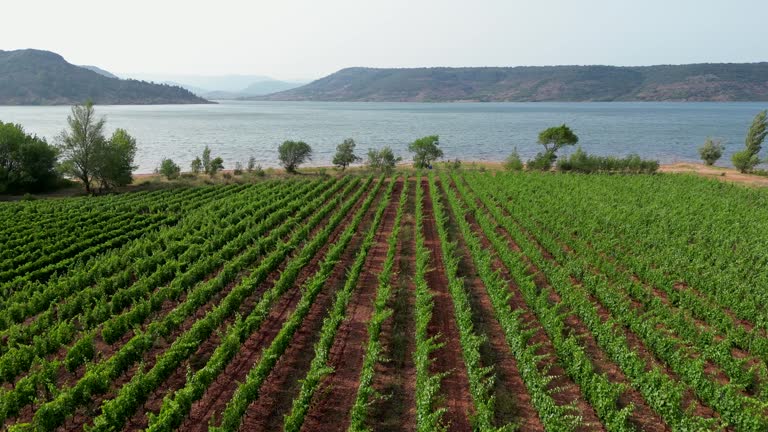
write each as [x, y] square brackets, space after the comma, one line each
[425, 151]
[711, 151]
[383, 160]
[196, 166]
[169, 169]
[581, 161]
[27, 163]
[744, 160]
[542, 161]
[513, 162]
[345, 154]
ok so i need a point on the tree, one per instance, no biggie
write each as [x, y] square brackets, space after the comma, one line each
[169, 169]
[345, 154]
[196, 166]
[746, 160]
[114, 160]
[711, 151]
[80, 144]
[757, 133]
[207, 160]
[513, 162]
[251, 164]
[294, 153]
[553, 139]
[27, 163]
[425, 150]
[383, 160]
[215, 165]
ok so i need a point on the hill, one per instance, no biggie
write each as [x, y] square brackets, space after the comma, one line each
[694, 82]
[33, 77]
[213, 87]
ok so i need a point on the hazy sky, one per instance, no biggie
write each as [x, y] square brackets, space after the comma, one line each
[311, 38]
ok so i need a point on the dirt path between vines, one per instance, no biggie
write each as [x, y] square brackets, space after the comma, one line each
[454, 387]
[213, 402]
[513, 402]
[395, 374]
[251, 347]
[333, 399]
[284, 382]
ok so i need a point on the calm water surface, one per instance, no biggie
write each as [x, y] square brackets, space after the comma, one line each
[670, 132]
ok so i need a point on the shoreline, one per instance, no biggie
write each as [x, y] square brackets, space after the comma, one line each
[695, 168]
[147, 181]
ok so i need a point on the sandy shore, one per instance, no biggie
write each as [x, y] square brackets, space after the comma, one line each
[723, 174]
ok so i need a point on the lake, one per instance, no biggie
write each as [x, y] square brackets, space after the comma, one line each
[669, 132]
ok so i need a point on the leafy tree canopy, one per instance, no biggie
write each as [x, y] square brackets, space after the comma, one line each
[27, 163]
[345, 154]
[294, 153]
[114, 160]
[556, 137]
[383, 160]
[169, 169]
[425, 150]
[80, 144]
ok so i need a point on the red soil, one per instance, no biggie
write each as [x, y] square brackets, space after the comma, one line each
[641, 414]
[252, 345]
[329, 410]
[283, 383]
[447, 359]
[395, 374]
[223, 388]
[509, 388]
[568, 392]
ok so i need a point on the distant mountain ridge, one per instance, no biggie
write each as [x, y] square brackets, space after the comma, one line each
[34, 77]
[694, 82]
[221, 86]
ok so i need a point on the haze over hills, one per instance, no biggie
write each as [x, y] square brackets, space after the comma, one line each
[220, 86]
[693, 82]
[34, 77]
[100, 71]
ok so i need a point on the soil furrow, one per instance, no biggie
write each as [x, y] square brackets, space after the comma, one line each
[283, 383]
[336, 394]
[448, 359]
[223, 388]
[513, 402]
[395, 374]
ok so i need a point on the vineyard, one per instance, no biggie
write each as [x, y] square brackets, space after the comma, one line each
[453, 300]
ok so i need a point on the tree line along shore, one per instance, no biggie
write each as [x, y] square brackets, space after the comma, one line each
[83, 156]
